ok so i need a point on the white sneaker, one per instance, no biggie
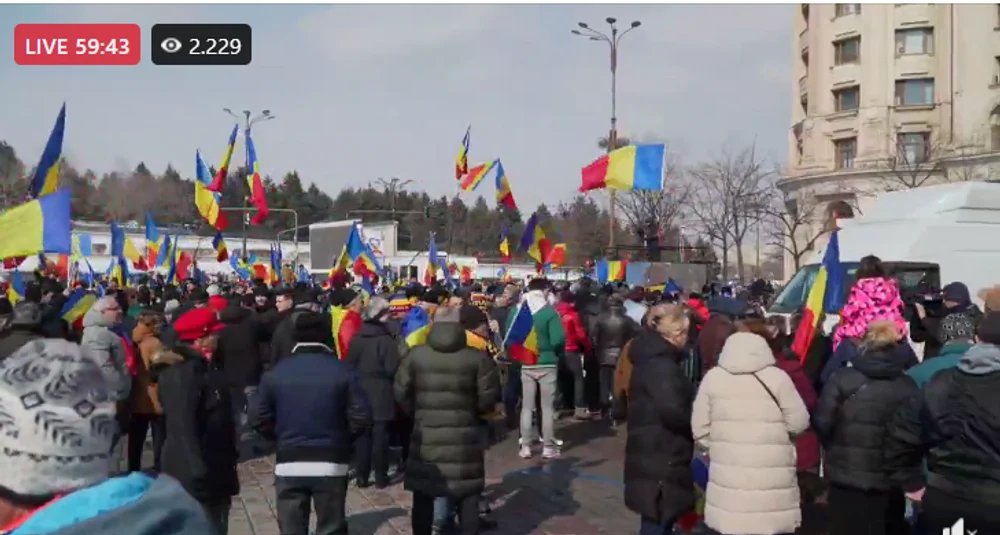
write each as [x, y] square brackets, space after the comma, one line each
[525, 452]
[550, 452]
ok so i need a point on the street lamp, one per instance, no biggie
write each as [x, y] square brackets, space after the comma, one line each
[248, 122]
[613, 40]
[393, 186]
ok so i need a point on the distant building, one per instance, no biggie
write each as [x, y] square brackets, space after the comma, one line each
[890, 96]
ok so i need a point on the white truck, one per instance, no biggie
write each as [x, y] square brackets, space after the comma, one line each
[926, 237]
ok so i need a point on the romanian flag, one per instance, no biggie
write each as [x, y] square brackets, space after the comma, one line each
[275, 258]
[13, 262]
[355, 249]
[258, 198]
[522, 341]
[122, 246]
[207, 202]
[46, 177]
[824, 296]
[241, 268]
[534, 242]
[557, 255]
[505, 197]
[471, 180]
[77, 304]
[219, 181]
[39, 225]
[219, 244]
[153, 241]
[16, 288]
[628, 168]
[416, 324]
[462, 160]
[82, 246]
[465, 274]
[430, 273]
[504, 246]
[611, 270]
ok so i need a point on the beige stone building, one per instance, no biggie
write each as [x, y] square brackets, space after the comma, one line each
[890, 96]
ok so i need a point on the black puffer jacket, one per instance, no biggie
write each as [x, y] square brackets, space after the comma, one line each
[374, 355]
[448, 388]
[658, 451]
[239, 347]
[955, 423]
[853, 414]
[200, 448]
[612, 331]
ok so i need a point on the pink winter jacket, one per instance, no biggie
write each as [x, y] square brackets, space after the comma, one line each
[870, 300]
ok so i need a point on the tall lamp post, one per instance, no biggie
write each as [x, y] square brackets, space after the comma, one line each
[248, 122]
[613, 40]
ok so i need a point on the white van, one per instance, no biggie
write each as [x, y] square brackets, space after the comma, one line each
[926, 237]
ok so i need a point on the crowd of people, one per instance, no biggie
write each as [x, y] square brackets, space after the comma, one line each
[727, 431]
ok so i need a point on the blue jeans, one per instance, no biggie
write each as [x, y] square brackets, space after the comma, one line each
[651, 527]
[444, 512]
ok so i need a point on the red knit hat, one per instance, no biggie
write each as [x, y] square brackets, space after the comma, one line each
[197, 323]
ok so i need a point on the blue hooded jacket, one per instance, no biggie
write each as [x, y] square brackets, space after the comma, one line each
[135, 504]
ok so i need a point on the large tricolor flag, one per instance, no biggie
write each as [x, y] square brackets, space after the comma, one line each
[258, 197]
[46, 177]
[219, 181]
[824, 296]
[154, 241]
[462, 160]
[534, 242]
[521, 340]
[628, 168]
[471, 180]
[219, 245]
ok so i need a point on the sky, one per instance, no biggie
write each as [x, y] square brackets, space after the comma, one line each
[367, 91]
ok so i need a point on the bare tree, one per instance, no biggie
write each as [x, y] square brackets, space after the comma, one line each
[733, 192]
[713, 218]
[656, 210]
[791, 224]
[924, 164]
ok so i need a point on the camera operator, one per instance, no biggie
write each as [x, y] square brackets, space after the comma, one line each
[954, 299]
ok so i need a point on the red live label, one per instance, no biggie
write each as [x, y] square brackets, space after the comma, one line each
[77, 44]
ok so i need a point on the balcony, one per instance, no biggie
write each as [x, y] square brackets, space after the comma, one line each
[803, 86]
[804, 43]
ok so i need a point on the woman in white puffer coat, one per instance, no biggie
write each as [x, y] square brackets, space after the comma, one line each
[746, 414]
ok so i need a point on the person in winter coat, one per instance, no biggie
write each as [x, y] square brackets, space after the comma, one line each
[746, 414]
[723, 312]
[24, 325]
[448, 388]
[200, 449]
[290, 305]
[374, 355]
[105, 347]
[613, 330]
[807, 450]
[577, 347]
[851, 419]
[952, 426]
[58, 483]
[874, 296]
[850, 348]
[146, 411]
[238, 356]
[658, 481]
[958, 332]
[313, 404]
[956, 302]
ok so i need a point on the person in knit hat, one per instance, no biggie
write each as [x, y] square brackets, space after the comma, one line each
[57, 425]
[958, 333]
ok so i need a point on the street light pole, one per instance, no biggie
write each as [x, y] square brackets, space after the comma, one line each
[613, 41]
[393, 186]
[265, 115]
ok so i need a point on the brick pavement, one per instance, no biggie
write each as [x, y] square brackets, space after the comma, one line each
[577, 494]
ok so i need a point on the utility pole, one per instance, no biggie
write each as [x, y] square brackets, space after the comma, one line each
[613, 42]
[393, 186]
[264, 115]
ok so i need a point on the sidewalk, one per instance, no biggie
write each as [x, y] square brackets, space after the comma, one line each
[577, 494]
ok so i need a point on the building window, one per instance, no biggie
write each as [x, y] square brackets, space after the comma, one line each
[915, 92]
[915, 41]
[846, 99]
[847, 51]
[996, 71]
[846, 150]
[844, 10]
[913, 148]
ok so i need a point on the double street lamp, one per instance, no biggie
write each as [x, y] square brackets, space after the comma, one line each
[248, 122]
[613, 39]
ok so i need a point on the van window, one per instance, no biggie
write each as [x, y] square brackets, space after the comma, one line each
[912, 278]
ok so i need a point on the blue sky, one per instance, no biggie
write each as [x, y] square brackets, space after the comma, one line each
[367, 91]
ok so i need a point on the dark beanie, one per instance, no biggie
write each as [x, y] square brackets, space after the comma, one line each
[312, 327]
[342, 297]
[471, 317]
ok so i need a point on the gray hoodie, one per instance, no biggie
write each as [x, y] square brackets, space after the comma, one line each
[980, 359]
[105, 348]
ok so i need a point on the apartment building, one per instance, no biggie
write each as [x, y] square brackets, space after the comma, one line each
[891, 96]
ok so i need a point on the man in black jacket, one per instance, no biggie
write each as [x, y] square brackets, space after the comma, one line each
[289, 304]
[314, 406]
[239, 357]
[613, 330]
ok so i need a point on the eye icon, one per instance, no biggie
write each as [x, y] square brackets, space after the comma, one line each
[171, 45]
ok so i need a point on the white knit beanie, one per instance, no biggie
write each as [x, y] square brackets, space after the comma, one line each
[57, 420]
